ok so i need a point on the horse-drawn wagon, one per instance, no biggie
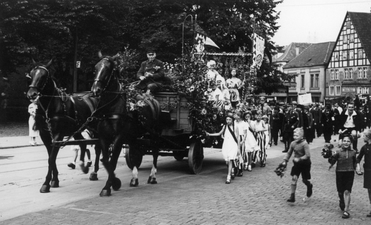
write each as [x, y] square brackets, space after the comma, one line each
[177, 138]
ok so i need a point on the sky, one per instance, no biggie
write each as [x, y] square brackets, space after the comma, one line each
[314, 21]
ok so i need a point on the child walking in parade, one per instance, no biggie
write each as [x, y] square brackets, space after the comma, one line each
[231, 144]
[345, 158]
[242, 127]
[302, 163]
[260, 129]
[366, 153]
[251, 145]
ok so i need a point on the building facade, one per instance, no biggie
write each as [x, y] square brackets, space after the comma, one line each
[349, 68]
[281, 59]
[309, 71]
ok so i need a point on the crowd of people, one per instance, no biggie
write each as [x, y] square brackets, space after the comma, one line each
[249, 129]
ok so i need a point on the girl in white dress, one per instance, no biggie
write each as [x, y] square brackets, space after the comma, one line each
[231, 144]
[242, 126]
[250, 142]
[32, 132]
[234, 84]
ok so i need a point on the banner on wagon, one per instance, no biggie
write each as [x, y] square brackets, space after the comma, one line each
[305, 99]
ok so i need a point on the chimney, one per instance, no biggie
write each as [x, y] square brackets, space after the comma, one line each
[297, 51]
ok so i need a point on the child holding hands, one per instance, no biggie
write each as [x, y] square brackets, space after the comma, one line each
[346, 163]
[366, 152]
[231, 144]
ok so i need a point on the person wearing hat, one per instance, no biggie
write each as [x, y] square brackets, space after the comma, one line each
[291, 121]
[317, 114]
[151, 73]
[308, 125]
[327, 123]
[231, 144]
[276, 122]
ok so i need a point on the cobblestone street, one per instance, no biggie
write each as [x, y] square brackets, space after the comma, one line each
[259, 197]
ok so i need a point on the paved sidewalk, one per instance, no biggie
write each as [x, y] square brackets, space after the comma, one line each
[17, 142]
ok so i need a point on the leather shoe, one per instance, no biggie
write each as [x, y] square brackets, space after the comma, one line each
[71, 165]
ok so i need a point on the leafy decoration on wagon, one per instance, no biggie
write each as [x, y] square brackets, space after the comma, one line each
[190, 82]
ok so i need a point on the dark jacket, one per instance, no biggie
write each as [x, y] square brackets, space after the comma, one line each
[356, 118]
[327, 120]
[156, 67]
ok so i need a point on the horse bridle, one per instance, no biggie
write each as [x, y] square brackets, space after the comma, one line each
[47, 78]
[96, 80]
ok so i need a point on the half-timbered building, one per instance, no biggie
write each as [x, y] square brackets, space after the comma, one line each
[349, 71]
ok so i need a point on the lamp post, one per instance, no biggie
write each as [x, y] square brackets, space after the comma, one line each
[189, 15]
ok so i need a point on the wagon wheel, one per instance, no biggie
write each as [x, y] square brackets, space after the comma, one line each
[178, 155]
[195, 157]
[132, 158]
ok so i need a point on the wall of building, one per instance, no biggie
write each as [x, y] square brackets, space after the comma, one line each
[314, 82]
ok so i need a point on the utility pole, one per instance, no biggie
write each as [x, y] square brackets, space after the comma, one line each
[189, 15]
[74, 64]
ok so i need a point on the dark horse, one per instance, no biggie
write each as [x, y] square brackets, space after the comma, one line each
[59, 115]
[119, 125]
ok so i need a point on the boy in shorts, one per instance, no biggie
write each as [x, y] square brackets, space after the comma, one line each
[302, 163]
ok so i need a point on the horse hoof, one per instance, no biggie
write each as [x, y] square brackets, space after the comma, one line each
[116, 184]
[152, 180]
[54, 183]
[93, 176]
[105, 193]
[84, 168]
[45, 188]
[134, 182]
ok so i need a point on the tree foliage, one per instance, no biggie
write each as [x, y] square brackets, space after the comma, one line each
[44, 29]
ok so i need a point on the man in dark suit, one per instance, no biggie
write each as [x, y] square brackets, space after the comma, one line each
[151, 73]
[291, 122]
[316, 112]
[351, 124]
[276, 122]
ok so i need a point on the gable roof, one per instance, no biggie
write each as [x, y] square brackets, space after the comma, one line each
[315, 55]
[290, 51]
[362, 25]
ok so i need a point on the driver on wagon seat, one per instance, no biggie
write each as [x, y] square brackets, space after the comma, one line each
[151, 74]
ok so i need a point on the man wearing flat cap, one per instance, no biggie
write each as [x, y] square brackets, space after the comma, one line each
[151, 73]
